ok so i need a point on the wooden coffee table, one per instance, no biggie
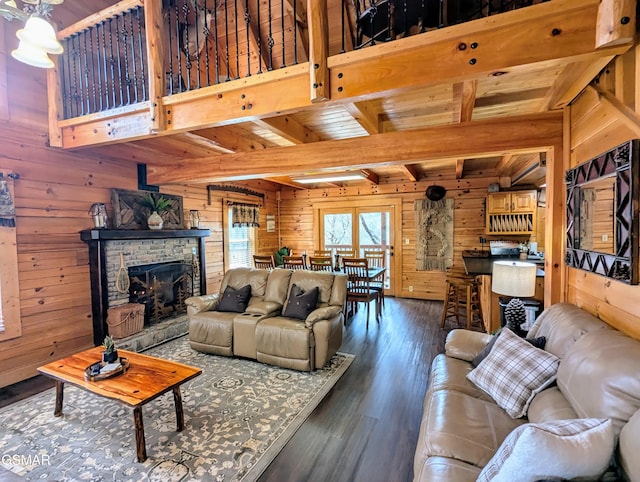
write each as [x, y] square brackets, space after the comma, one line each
[146, 379]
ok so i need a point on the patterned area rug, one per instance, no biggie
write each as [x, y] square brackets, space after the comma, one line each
[238, 416]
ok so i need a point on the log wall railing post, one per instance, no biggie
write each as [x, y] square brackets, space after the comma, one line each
[318, 49]
[54, 99]
[155, 57]
[616, 23]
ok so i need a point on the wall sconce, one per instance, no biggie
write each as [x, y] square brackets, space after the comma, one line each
[194, 218]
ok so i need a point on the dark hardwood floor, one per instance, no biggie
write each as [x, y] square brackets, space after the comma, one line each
[366, 428]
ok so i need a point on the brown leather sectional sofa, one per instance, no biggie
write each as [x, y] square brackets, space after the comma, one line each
[598, 376]
[261, 332]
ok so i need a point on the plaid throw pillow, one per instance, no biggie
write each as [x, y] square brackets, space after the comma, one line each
[513, 372]
[559, 450]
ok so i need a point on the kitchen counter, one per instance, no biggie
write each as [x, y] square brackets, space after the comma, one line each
[478, 266]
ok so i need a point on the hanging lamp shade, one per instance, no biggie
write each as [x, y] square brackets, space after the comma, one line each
[40, 34]
[30, 55]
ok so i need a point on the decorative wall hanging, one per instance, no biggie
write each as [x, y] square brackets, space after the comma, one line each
[130, 211]
[7, 208]
[434, 234]
[245, 215]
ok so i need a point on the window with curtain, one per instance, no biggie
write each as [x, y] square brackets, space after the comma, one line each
[241, 239]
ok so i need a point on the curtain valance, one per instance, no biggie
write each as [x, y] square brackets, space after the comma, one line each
[245, 215]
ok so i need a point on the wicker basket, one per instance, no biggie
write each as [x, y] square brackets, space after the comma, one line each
[125, 320]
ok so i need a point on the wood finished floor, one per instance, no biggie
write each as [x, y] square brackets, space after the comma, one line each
[366, 428]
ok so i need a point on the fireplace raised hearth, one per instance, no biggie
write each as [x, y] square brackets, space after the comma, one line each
[184, 247]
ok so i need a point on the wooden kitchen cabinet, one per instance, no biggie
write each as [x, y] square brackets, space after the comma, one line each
[511, 212]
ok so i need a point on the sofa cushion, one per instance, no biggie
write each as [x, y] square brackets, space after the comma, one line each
[538, 342]
[300, 303]
[514, 372]
[562, 324]
[444, 469]
[564, 449]
[234, 300]
[550, 405]
[459, 426]
[307, 280]
[324, 313]
[451, 373]
[277, 287]
[628, 447]
[608, 360]
[239, 277]
[465, 344]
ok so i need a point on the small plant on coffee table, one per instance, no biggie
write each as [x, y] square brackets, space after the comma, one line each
[110, 354]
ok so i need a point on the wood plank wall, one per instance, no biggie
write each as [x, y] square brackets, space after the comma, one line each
[53, 195]
[597, 127]
[296, 217]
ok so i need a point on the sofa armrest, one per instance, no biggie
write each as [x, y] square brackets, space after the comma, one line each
[269, 308]
[198, 304]
[324, 313]
[465, 344]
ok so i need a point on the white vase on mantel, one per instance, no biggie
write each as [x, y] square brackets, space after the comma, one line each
[155, 221]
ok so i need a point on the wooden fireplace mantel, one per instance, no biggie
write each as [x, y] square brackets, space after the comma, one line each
[97, 238]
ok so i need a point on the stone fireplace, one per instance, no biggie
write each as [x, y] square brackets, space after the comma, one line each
[163, 269]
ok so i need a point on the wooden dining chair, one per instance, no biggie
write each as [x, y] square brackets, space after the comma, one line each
[342, 253]
[293, 262]
[264, 261]
[320, 263]
[322, 252]
[377, 258]
[359, 285]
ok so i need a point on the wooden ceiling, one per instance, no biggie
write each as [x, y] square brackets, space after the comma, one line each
[518, 91]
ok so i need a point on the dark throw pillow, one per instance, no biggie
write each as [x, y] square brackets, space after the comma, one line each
[235, 300]
[301, 303]
[537, 342]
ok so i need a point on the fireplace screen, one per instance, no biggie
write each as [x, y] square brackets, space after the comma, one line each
[162, 288]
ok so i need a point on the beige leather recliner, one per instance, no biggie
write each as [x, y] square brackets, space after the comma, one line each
[261, 332]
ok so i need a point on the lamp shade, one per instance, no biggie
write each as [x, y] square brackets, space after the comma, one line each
[30, 55]
[40, 34]
[514, 278]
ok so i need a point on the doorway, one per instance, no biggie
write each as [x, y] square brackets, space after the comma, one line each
[362, 228]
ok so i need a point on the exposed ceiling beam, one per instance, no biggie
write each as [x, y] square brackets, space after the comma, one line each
[289, 128]
[505, 163]
[493, 137]
[571, 81]
[464, 100]
[625, 114]
[528, 169]
[372, 177]
[230, 139]
[365, 114]
[411, 170]
[202, 141]
[286, 181]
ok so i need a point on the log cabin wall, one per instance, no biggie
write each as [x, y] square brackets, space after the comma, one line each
[53, 194]
[296, 217]
[604, 116]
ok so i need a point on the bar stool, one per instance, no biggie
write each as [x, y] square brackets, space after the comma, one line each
[462, 298]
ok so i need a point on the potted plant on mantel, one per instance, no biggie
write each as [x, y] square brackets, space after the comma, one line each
[110, 354]
[157, 206]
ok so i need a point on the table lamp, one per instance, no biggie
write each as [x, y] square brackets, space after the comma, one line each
[516, 279]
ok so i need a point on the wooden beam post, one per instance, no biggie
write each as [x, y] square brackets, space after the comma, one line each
[318, 49]
[4, 88]
[155, 57]
[54, 98]
[616, 22]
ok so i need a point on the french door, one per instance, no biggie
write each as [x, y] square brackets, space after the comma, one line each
[362, 228]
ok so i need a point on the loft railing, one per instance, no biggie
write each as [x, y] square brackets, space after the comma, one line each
[200, 43]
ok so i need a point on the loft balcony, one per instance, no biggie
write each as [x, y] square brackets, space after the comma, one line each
[140, 70]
